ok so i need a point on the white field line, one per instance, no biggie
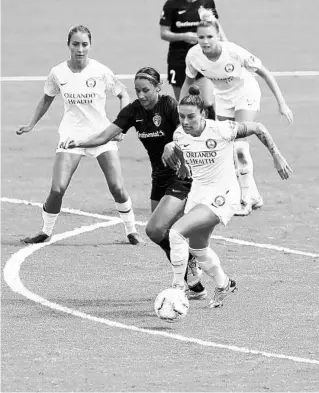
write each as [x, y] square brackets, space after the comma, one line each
[11, 277]
[226, 239]
[163, 76]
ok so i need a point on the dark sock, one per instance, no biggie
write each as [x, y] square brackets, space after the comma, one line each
[210, 112]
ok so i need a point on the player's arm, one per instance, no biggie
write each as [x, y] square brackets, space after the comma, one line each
[264, 73]
[170, 36]
[97, 140]
[251, 128]
[41, 109]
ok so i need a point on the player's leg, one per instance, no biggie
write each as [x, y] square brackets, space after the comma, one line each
[64, 166]
[110, 164]
[251, 198]
[207, 92]
[168, 201]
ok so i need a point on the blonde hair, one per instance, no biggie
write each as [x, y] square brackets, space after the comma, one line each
[207, 18]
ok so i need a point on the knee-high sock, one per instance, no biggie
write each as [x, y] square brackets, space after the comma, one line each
[245, 172]
[49, 220]
[210, 263]
[126, 213]
[179, 256]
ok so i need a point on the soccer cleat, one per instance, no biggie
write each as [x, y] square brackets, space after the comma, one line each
[221, 293]
[39, 238]
[196, 292]
[135, 238]
[244, 210]
[257, 203]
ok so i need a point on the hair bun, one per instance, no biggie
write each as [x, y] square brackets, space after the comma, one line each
[194, 90]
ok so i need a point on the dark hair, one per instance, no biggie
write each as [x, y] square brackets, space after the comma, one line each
[81, 29]
[150, 74]
[193, 98]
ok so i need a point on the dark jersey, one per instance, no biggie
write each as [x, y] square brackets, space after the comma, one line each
[182, 17]
[155, 127]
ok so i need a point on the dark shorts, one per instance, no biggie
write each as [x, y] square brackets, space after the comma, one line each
[169, 185]
[176, 75]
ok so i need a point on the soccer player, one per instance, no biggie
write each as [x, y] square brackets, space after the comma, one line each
[155, 118]
[237, 93]
[83, 83]
[178, 25]
[205, 148]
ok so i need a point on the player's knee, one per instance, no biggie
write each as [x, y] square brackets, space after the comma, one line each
[179, 247]
[155, 232]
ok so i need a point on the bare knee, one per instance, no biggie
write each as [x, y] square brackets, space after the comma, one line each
[242, 151]
[155, 232]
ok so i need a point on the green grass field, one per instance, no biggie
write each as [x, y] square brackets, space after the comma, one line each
[81, 319]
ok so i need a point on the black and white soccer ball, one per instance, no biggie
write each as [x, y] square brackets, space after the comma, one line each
[171, 305]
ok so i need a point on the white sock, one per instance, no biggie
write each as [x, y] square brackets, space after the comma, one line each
[127, 215]
[210, 263]
[179, 256]
[249, 190]
[49, 220]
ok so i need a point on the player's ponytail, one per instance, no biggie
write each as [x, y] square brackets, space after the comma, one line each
[193, 98]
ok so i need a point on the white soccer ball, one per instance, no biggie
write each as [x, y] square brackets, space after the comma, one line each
[171, 305]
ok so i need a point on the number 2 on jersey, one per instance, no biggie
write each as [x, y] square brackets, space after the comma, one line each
[173, 74]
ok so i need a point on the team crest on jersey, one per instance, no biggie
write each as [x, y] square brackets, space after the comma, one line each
[219, 201]
[229, 67]
[91, 82]
[211, 144]
[157, 120]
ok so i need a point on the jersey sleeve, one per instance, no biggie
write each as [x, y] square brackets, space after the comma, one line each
[248, 60]
[190, 70]
[111, 82]
[51, 86]
[126, 118]
[172, 111]
[166, 18]
[228, 130]
[177, 136]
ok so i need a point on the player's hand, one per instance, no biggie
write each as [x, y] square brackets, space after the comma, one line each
[183, 171]
[286, 111]
[282, 166]
[24, 129]
[169, 157]
[190, 38]
[69, 144]
[118, 138]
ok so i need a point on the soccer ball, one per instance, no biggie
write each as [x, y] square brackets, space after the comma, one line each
[171, 305]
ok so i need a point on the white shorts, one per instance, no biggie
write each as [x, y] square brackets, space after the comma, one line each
[89, 151]
[222, 203]
[249, 101]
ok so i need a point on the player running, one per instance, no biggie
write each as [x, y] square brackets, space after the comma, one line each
[178, 26]
[83, 83]
[205, 148]
[155, 118]
[237, 93]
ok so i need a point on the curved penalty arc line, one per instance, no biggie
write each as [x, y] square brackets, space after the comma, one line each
[12, 278]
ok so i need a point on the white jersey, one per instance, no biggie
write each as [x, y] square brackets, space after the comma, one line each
[210, 155]
[84, 96]
[231, 74]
